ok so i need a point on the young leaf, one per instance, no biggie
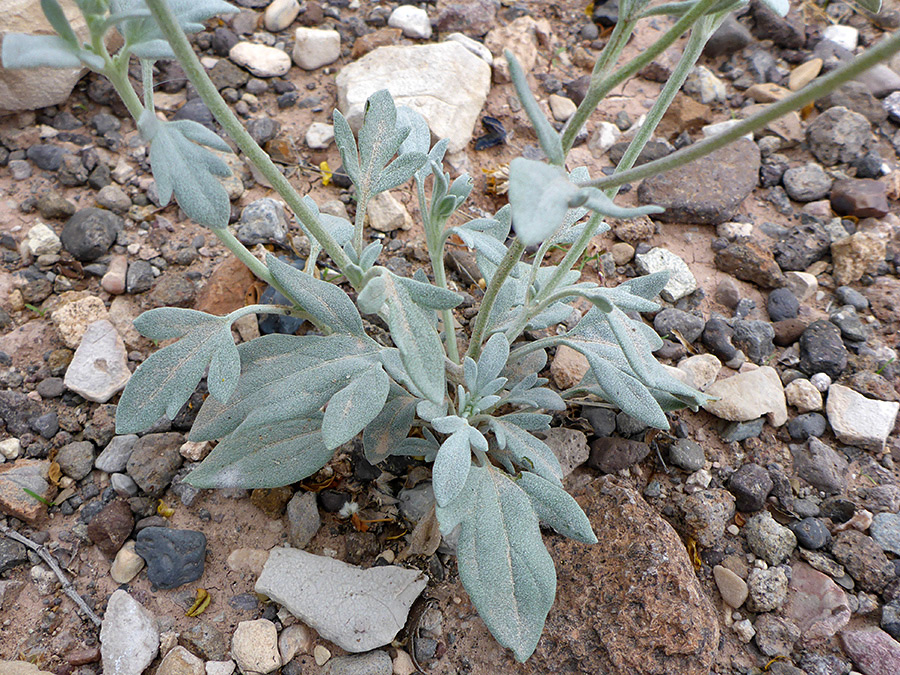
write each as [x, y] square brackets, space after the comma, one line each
[326, 303]
[58, 20]
[165, 381]
[556, 507]
[372, 296]
[389, 429]
[451, 468]
[492, 361]
[181, 166]
[540, 195]
[419, 137]
[427, 295]
[35, 51]
[502, 561]
[547, 135]
[165, 323]
[528, 451]
[346, 143]
[353, 407]
[264, 458]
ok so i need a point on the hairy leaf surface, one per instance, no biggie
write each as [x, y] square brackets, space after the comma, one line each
[528, 451]
[451, 468]
[383, 435]
[353, 407]
[556, 508]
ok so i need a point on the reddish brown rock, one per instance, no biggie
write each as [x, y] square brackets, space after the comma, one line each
[884, 300]
[110, 528]
[860, 197]
[226, 289]
[629, 604]
[788, 331]
[750, 262]
[15, 479]
[685, 114]
[383, 37]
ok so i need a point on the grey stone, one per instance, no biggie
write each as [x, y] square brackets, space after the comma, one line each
[195, 110]
[863, 559]
[850, 296]
[885, 530]
[851, 325]
[629, 426]
[767, 589]
[804, 244]
[376, 662]
[173, 557]
[613, 454]
[681, 280]
[687, 454]
[807, 425]
[357, 609]
[807, 183]
[12, 554]
[710, 190]
[602, 420]
[755, 339]
[750, 485]
[420, 76]
[139, 277]
[99, 369]
[46, 157]
[154, 461]
[569, 446]
[839, 135]
[76, 459]
[416, 502]
[820, 466]
[115, 455]
[303, 519]
[705, 515]
[734, 432]
[769, 540]
[90, 232]
[890, 619]
[129, 636]
[775, 635]
[859, 420]
[263, 222]
[811, 533]
[689, 325]
[822, 350]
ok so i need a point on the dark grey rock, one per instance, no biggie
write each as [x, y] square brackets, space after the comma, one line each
[782, 304]
[72, 171]
[863, 559]
[850, 324]
[807, 183]
[839, 135]
[772, 169]
[90, 232]
[750, 485]
[819, 465]
[811, 533]
[850, 296]
[223, 39]
[613, 454]
[76, 459]
[263, 129]
[687, 454]
[196, 111]
[755, 339]
[12, 554]
[154, 461]
[717, 337]
[734, 432]
[885, 530]
[807, 425]
[139, 277]
[303, 519]
[103, 123]
[822, 350]
[710, 190]
[173, 557]
[602, 420]
[376, 662]
[226, 74]
[689, 325]
[627, 425]
[656, 148]
[729, 38]
[46, 157]
[870, 165]
[804, 244]
[51, 387]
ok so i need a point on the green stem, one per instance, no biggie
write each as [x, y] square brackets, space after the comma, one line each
[490, 295]
[147, 81]
[168, 25]
[440, 278]
[116, 71]
[818, 88]
[359, 223]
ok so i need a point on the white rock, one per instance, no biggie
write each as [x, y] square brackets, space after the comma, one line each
[99, 368]
[41, 240]
[73, 318]
[181, 662]
[705, 86]
[703, 369]
[195, 451]
[681, 280]
[744, 629]
[357, 609]
[127, 564]
[749, 395]
[821, 381]
[254, 646]
[732, 231]
[314, 47]
[412, 20]
[219, 667]
[845, 36]
[129, 636]
[116, 453]
[280, 14]
[403, 664]
[10, 448]
[260, 60]
[803, 395]
[802, 284]
[319, 135]
[561, 108]
[858, 420]
[321, 655]
[474, 46]
[386, 214]
[445, 83]
[604, 137]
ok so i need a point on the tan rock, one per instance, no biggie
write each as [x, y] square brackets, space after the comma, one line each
[519, 37]
[856, 255]
[20, 668]
[127, 564]
[122, 312]
[749, 395]
[30, 474]
[803, 395]
[622, 253]
[767, 92]
[702, 369]
[250, 560]
[568, 367]
[805, 73]
[732, 588]
[73, 318]
[179, 661]
[293, 640]
[561, 107]
[387, 214]
[254, 646]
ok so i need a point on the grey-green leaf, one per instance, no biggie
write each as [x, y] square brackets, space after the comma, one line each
[503, 563]
[346, 143]
[492, 360]
[35, 51]
[428, 295]
[264, 457]
[529, 452]
[451, 468]
[353, 407]
[372, 296]
[540, 196]
[58, 20]
[547, 135]
[326, 303]
[556, 507]
[165, 323]
[389, 429]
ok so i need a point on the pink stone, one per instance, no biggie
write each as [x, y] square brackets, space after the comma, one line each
[817, 604]
[113, 281]
[873, 651]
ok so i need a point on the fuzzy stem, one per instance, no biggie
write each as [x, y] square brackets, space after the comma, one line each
[168, 25]
[818, 88]
[487, 302]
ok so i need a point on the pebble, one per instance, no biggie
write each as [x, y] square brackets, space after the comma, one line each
[755, 339]
[115, 455]
[254, 646]
[110, 528]
[220, 667]
[319, 136]
[717, 336]
[139, 277]
[123, 484]
[858, 420]
[303, 519]
[844, 36]
[99, 369]
[847, 295]
[179, 661]
[376, 662]
[76, 459]
[767, 589]
[804, 74]
[855, 255]
[41, 240]
[613, 454]
[114, 280]
[260, 60]
[10, 448]
[681, 280]
[386, 213]
[702, 369]
[113, 197]
[294, 639]
[749, 395]
[775, 635]
[820, 465]
[173, 557]
[280, 14]
[863, 559]
[802, 245]
[569, 445]
[127, 564]
[782, 304]
[46, 157]
[750, 485]
[321, 655]
[811, 533]
[412, 20]
[803, 395]
[129, 637]
[568, 367]
[732, 588]
[90, 232]
[890, 618]
[802, 284]
[807, 183]
[822, 350]
[873, 651]
[839, 135]
[744, 630]
[734, 432]
[688, 325]
[263, 221]
[817, 604]
[314, 47]
[769, 540]
[317, 590]
[860, 197]
[749, 261]
[885, 530]
[687, 454]
[19, 169]
[561, 107]
[705, 514]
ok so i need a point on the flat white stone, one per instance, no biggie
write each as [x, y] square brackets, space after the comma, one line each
[681, 280]
[99, 368]
[319, 135]
[845, 36]
[129, 636]
[357, 609]
[412, 20]
[749, 395]
[474, 46]
[445, 83]
[260, 60]
[858, 420]
[314, 47]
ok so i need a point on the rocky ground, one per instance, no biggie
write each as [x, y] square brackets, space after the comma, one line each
[760, 534]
